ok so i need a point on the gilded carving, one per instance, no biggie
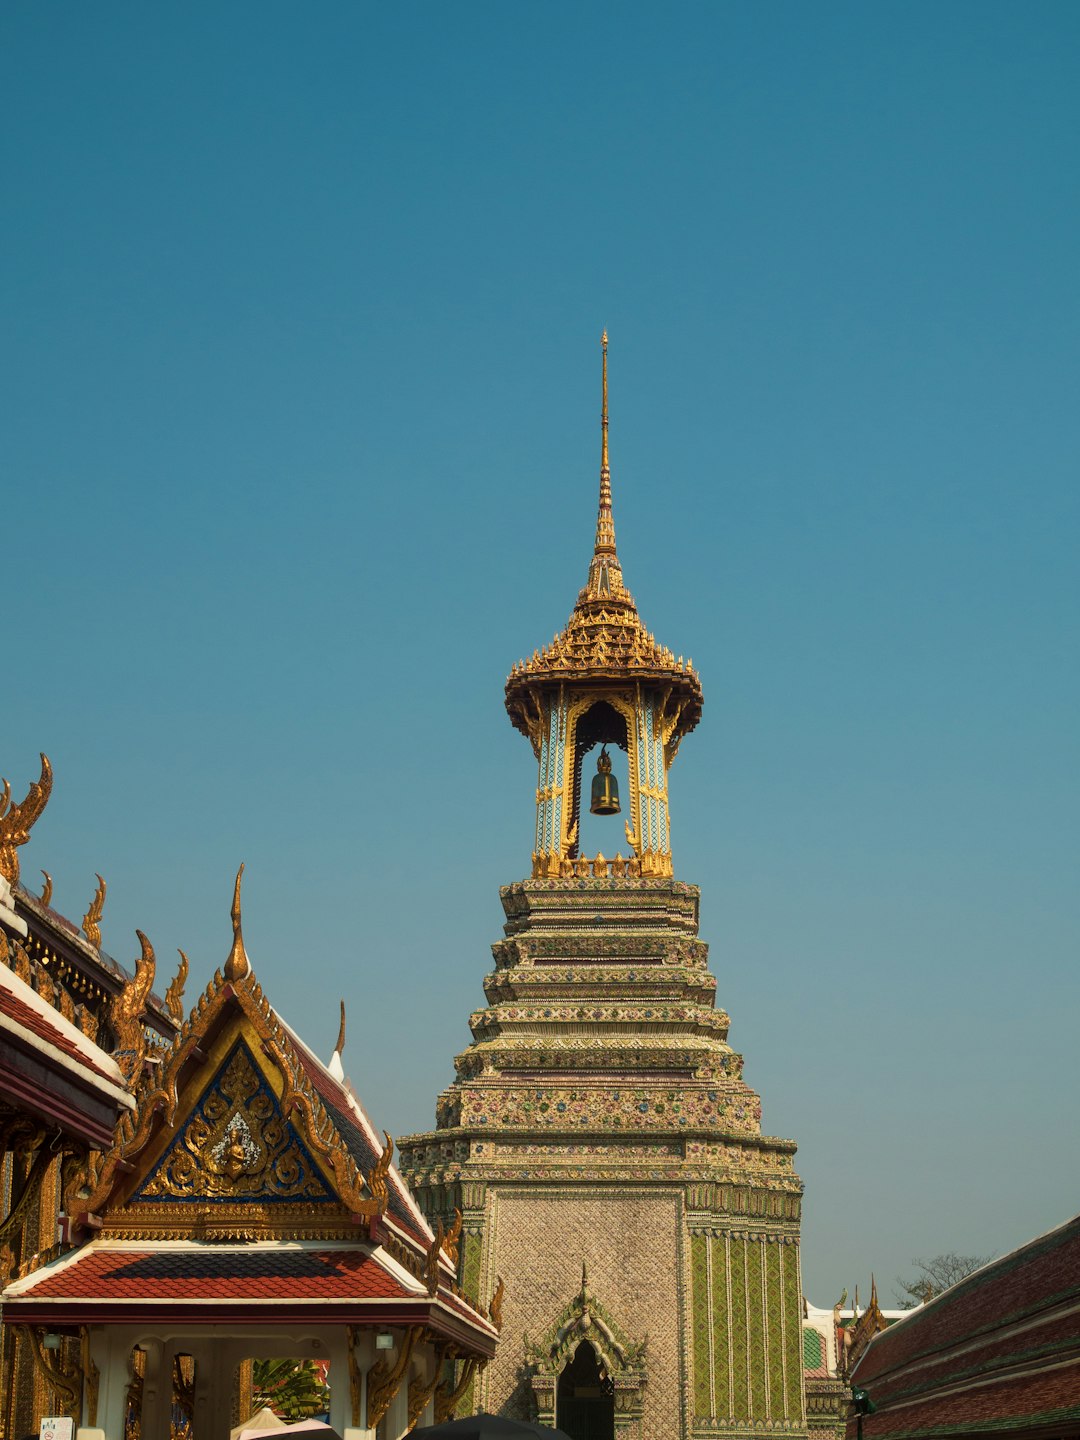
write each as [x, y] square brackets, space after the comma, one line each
[384, 1381]
[64, 1382]
[126, 1012]
[432, 1273]
[452, 1239]
[237, 965]
[157, 1094]
[448, 1397]
[236, 1144]
[421, 1391]
[174, 995]
[495, 1308]
[46, 891]
[91, 924]
[16, 821]
[91, 1377]
[355, 1378]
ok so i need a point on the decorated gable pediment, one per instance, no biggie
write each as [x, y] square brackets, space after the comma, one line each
[236, 1146]
[231, 1135]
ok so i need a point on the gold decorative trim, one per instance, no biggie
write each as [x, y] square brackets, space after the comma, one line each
[157, 1096]
[421, 1391]
[448, 1397]
[237, 965]
[496, 1306]
[91, 922]
[16, 821]
[384, 1381]
[125, 1016]
[66, 1385]
[91, 1377]
[174, 995]
[452, 1238]
[432, 1271]
[353, 1333]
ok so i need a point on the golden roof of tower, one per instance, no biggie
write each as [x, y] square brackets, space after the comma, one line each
[604, 639]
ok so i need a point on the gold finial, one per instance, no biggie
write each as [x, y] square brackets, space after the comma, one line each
[16, 821]
[237, 965]
[339, 1048]
[91, 924]
[174, 1002]
[46, 893]
[603, 410]
[603, 578]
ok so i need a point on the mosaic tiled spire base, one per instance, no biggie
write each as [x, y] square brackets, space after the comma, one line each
[599, 1119]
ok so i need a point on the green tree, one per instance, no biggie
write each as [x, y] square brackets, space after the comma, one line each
[293, 1389]
[935, 1275]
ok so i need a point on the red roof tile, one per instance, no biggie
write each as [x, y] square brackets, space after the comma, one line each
[30, 1019]
[999, 1352]
[213, 1272]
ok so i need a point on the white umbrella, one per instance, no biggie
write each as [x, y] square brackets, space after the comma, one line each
[255, 1429]
[262, 1420]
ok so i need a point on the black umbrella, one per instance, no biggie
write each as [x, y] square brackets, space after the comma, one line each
[490, 1427]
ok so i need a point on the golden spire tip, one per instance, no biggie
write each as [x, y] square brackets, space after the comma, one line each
[340, 1046]
[237, 965]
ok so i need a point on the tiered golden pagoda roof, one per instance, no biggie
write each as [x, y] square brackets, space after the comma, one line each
[604, 639]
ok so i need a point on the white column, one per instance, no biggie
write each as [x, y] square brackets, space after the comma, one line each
[157, 1391]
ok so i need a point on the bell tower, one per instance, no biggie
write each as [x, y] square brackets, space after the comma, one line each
[604, 680]
[598, 1150]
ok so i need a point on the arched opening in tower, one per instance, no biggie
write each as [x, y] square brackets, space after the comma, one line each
[585, 1399]
[601, 725]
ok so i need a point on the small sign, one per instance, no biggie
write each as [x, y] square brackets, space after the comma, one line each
[57, 1427]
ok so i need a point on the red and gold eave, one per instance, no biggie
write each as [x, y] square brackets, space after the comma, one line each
[51, 1072]
[176, 1232]
[119, 1282]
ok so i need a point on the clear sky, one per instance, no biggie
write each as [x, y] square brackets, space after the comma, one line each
[301, 318]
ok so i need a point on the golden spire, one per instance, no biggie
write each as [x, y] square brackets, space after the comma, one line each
[238, 964]
[605, 520]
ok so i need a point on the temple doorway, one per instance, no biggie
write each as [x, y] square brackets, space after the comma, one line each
[585, 1406]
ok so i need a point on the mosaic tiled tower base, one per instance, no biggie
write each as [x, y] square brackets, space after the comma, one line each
[599, 1119]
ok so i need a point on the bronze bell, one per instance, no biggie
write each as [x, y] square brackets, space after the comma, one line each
[605, 788]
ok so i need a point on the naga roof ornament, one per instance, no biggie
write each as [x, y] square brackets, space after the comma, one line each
[16, 821]
[604, 639]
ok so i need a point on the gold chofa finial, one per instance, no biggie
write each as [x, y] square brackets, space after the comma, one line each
[91, 925]
[238, 964]
[339, 1048]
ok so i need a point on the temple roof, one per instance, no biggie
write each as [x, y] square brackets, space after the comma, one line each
[50, 1069]
[248, 1178]
[999, 1353]
[604, 639]
[355, 1283]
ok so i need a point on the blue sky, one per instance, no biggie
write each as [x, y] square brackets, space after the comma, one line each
[301, 311]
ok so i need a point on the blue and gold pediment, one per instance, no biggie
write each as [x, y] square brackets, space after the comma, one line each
[236, 1146]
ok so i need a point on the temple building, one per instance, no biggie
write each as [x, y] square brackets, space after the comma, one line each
[599, 1141]
[247, 1209]
[996, 1354]
[64, 1008]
